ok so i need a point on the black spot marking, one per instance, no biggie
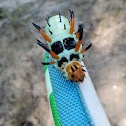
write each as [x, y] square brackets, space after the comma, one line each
[64, 27]
[62, 61]
[72, 69]
[57, 47]
[50, 32]
[69, 43]
[72, 76]
[75, 67]
[74, 56]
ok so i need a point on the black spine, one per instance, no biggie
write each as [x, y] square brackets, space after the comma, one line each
[50, 32]
[44, 63]
[48, 22]
[37, 26]
[83, 70]
[80, 30]
[71, 13]
[43, 46]
[89, 46]
[60, 17]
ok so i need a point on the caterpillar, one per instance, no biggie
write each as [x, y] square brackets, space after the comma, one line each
[64, 46]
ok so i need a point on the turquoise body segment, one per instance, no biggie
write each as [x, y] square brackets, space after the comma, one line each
[70, 104]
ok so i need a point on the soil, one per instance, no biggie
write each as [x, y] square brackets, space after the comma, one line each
[23, 95]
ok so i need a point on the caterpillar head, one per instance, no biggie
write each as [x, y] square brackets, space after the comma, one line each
[75, 72]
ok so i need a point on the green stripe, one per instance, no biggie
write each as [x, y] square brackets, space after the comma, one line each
[51, 97]
[54, 110]
[45, 66]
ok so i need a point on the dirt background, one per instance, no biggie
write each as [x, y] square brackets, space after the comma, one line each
[23, 95]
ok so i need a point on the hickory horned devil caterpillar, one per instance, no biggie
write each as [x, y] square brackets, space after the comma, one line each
[64, 46]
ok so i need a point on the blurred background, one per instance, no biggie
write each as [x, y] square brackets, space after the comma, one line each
[23, 95]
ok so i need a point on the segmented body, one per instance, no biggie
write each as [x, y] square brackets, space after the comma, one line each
[64, 46]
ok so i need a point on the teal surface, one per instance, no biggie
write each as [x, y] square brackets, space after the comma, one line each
[70, 103]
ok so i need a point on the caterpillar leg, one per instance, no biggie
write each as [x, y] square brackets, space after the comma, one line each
[72, 22]
[84, 50]
[48, 50]
[42, 32]
[49, 63]
[80, 35]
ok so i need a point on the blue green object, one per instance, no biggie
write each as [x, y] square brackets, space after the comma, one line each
[70, 105]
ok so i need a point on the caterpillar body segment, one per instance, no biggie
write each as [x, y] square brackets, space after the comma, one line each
[64, 46]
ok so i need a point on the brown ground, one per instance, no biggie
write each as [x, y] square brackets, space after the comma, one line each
[23, 96]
